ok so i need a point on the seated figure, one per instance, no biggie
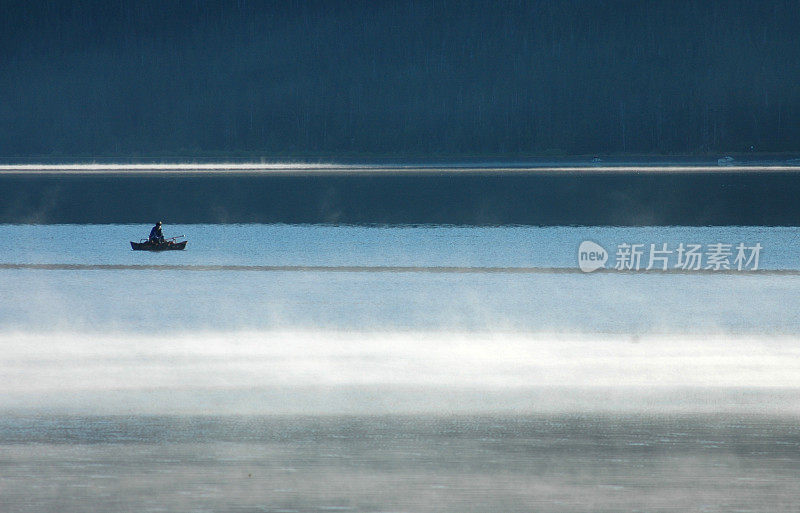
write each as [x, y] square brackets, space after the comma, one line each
[156, 236]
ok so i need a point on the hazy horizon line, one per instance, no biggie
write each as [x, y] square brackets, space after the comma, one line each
[415, 168]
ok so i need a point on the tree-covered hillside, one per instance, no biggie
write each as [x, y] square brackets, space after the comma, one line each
[510, 77]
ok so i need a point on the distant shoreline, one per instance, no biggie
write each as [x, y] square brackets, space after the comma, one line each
[445, 161]
[228, 169]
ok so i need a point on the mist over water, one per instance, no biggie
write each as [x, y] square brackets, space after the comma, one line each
[415, 335]
[158, 336]
[487, 374]
[357, 373]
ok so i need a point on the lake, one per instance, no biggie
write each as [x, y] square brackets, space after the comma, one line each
[297, 367]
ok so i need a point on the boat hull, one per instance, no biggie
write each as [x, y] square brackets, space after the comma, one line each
[161, 246]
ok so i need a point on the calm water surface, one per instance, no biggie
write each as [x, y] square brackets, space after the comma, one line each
[153, 389]
[372, 464]
[254, 244]
[136, 299]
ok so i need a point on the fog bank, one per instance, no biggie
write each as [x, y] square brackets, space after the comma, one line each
[319, 372]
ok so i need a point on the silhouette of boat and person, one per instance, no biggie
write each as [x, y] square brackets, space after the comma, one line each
[157, 242]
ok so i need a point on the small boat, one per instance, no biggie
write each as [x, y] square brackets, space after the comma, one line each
[146, 245]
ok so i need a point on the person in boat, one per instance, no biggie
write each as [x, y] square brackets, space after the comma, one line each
[156, 236]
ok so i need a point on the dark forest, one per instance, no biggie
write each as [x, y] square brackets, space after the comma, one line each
[120, 78]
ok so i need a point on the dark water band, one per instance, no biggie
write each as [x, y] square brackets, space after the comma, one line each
[624, 197]
[383, 269]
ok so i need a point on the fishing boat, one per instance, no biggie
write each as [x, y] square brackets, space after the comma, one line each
[167, 245]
